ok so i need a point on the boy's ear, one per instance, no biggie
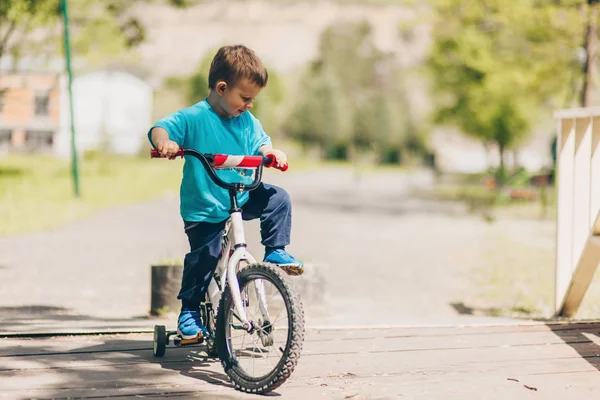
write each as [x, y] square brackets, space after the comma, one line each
[221, 86]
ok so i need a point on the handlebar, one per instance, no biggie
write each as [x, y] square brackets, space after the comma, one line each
[211, 162]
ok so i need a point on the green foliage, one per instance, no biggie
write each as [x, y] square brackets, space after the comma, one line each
[36, 191]
[195, 87]
[268, 105]
[198, 87]
[316, 117]
[183, 3]
[20, 17]
[352, 97]
[99, 28]
[169, 261]
[496, 67]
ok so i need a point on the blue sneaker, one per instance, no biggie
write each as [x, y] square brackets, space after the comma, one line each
[189, 325]
[285, 261]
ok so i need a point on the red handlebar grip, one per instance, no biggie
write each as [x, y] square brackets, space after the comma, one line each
[155, 154]
[271, 164]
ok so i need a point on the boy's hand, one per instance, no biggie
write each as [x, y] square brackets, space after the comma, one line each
[167, 148]
[280, 157]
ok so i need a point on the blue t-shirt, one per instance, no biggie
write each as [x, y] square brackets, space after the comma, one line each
[200, 128]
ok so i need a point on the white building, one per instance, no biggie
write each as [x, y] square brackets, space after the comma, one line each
[113, 111]
[112, 108]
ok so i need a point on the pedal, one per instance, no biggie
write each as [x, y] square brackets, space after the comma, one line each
[292, 270]
[198, 339]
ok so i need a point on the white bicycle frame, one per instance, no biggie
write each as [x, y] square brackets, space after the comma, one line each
[229, 263]
[228, 267]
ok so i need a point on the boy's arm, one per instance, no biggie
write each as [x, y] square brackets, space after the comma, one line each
[264, 149]
[158, 135]
[165, 146]
[168, 134]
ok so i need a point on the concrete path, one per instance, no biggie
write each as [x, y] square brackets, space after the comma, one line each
[376, 257]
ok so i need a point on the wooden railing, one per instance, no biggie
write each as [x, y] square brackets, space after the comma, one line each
[578, 206]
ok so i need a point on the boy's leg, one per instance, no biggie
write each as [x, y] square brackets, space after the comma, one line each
[199, 266]
[273, 206]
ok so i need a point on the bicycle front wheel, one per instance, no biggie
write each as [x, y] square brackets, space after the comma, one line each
[262, 359]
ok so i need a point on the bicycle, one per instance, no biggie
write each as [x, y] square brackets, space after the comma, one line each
[244, 289]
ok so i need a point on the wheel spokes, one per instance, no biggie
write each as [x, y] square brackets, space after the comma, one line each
[254, 350]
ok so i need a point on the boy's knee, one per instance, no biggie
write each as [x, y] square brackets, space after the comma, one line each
[207, 254]
[282, 198]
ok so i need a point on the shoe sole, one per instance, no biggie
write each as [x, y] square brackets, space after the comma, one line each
[292, 270]
[190, 337]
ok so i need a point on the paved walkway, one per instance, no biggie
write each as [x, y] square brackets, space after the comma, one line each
[376, 256]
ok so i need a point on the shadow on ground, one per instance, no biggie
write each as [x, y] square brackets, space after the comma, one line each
[584, 338]
[31, 318]
[123, 368]
[464, 309]
[513, 313]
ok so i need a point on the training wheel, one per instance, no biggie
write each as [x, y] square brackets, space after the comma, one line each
[160, 340]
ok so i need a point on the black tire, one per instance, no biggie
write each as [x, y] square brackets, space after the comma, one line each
[295, 337]
[160, 341]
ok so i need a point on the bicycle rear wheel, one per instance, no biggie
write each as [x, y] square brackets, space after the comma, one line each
[262, 359]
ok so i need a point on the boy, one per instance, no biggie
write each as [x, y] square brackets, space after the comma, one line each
[221, 123]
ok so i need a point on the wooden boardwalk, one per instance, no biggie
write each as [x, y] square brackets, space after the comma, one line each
[543, 361]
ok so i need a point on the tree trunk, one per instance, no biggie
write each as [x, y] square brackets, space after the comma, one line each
[6, 37]
[591, 51]
[166, 283]
[501, 176]
[515, 165]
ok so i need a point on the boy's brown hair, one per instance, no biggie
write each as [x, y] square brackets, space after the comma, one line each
[232, 63]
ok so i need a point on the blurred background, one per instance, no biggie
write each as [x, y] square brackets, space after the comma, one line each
[420, 136]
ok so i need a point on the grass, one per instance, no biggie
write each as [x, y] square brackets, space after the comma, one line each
[489, 203]
[516, 278]
[36, 192]
[516, 272]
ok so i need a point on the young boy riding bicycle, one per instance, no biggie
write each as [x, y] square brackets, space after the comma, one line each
[222, 123]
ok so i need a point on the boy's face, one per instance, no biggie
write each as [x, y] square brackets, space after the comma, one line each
[236, 99]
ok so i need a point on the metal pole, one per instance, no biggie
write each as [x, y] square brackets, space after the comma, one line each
[70, 76]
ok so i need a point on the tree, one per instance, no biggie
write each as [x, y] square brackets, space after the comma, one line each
[268, 105]
[591, 54]
[495, 67]
[196, 86]
[100, 28]
[315, 117]
[19, 17]
[351, 97]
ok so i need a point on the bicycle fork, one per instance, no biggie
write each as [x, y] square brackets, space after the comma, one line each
[240, 254]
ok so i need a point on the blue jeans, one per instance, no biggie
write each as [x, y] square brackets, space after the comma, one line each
[269, 203]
